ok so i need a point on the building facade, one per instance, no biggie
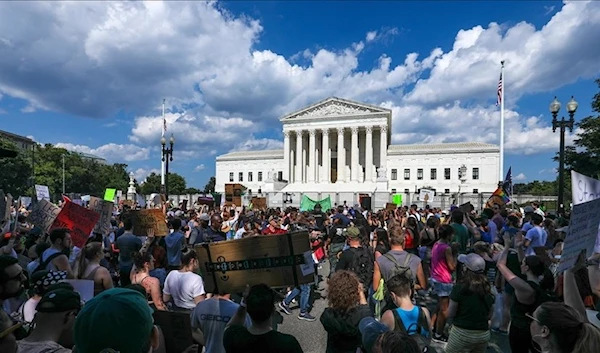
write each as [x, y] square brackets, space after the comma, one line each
[21, 142]
[338, 146]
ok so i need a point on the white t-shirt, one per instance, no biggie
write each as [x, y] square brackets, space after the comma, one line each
[29, 309]
[183, 287]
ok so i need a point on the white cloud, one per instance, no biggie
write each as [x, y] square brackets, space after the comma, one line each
[258, 144]
[111, 152]
[107, 55]
[199, 167]
[520, 177]
[141, 174]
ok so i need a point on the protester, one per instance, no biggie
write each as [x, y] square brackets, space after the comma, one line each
[174, 241]
[143, 264]
[184, 286]
[128, 244]
[56, 258]
[12, 279]
[443, 264]
[8, 341]
[39, 283]
[88, 267]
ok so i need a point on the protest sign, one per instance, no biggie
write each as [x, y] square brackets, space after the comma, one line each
[25, 201]
[583, 188]
[85, 288]
[42, 192]
[43, 214]
[109, 194]
[389, 206]
[397, 199]
[582, 234]
[79, 220]
[104, 209]
[276, 260]
[149, 219]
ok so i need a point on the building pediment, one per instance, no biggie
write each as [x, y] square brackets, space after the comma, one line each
[332, 107]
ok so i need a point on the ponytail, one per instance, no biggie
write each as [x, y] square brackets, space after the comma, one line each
[87, 253]
[588, 339]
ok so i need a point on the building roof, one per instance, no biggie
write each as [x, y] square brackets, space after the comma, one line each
[263, 154]
[334, 106]
[16, 137]
[450, 147]
[89, 155]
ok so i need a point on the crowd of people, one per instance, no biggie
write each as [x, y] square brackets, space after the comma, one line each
[492, 272]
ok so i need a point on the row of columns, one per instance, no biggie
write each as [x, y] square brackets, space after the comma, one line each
[298, 158]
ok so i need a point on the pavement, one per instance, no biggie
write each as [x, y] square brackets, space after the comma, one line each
[312, 336]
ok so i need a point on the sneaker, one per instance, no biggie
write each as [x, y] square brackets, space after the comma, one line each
[285, 308]
[306, 316]
[439, 338]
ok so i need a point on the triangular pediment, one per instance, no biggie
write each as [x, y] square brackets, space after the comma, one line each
[334, 106]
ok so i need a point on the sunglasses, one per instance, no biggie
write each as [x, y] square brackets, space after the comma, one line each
[529, 316]
[11, 329]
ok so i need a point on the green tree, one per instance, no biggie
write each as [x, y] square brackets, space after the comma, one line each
[177, 184]
[210, 186]
[16, 172]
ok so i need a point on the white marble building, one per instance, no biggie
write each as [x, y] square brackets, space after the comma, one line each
[340, 146]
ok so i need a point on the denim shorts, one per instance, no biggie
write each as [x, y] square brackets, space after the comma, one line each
[442, 289]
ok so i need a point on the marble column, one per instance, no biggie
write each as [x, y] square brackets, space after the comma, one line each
[326, 174]
[286, 156]
[354, 155]
[369, 155]
[312, 152]
[383, 149]
[299, 168]
[341, 155]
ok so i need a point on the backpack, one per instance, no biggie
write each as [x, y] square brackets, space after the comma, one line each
[400, 269]
[421, 325]
[363, 265]
[42, 266]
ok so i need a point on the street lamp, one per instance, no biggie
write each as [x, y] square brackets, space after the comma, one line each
[63, 173]
[563, 125]
[167, 155]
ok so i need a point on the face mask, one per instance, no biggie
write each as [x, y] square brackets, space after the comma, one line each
[539, 344]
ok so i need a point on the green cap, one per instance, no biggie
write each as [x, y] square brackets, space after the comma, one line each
[353, 232]
[119, 319]
[58, 301]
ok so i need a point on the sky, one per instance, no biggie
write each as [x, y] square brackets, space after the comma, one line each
[91, 76]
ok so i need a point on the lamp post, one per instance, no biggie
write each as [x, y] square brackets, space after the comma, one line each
[562, 124]
[63, 173]
[167, 155]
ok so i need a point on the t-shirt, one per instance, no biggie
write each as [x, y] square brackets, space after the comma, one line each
[537, 237]
[238, 339]
[45, 255]
[174, 242]
[461, 236]
[29, 309]
[473, 309]
[386, 265]
[128, 244]
[42, 346]
[183, 287]
[211, 316]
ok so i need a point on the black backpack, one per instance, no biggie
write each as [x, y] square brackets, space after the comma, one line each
[42, 266]
[421, 324]
[363, 265]
[400, 269]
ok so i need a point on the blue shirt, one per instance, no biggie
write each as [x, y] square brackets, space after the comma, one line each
[174, 242]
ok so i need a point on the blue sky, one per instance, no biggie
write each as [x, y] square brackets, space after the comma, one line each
[91, 76]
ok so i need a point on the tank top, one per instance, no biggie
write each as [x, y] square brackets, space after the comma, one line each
[98, 288]
[410, 319]
[439, 267]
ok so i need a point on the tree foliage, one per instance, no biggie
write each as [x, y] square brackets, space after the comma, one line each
[210, 186]
[177, 184]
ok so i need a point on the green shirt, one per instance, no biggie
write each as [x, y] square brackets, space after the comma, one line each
[473, 310]
[461, 236]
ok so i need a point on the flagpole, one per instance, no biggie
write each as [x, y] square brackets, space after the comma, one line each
[501, 172]
[162, 163]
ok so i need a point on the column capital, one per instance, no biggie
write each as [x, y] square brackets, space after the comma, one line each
[325, 132]
[354, 130]
[384, 128]
[340, 130]
[299, 132]
[369, 129]
[286, 133]
[312, 132]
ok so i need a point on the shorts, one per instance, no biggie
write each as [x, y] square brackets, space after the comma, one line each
[442, 289]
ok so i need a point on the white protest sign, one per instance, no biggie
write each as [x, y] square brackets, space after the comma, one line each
[104, 209]
[582, 234]
[584, 188]
[426, 195]
[42, 192]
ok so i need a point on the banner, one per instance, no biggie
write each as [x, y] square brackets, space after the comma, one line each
[104, 209]
[149, 219]
[584, 188]
[307, 204]
[42, 192]
[43, 214]
[582, 233]
[79, 220]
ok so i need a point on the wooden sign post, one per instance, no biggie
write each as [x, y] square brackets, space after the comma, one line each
[275, 260]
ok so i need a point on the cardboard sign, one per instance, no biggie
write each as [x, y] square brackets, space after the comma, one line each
[390, 206]
[43, 214]
[177, 329]
[79, 220]
[259, 203]
[584, 188]
[276, 260]
[582, 234]
[149, 219]
[104, 209]
[42, 192]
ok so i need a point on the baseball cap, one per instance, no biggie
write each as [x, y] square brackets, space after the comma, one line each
[473, 262]
[58, 301]
[119, 319]
[370, 329]
[528, 209]
[353, 232]
[204, 217]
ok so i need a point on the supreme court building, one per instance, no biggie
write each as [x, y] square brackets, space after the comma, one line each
[340, 148]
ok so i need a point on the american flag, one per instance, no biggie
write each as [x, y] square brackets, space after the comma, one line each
[507, 185]
[500, 85]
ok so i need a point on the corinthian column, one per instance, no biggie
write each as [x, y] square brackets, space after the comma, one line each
[326, 175]
[383, 149]
[299, 168]
[312, 151]
[369, 155]
[286, 156]
[354, 155]
[341, 155]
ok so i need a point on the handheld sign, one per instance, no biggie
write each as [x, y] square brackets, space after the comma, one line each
[149, 219]
[276, 260]
[104, 209]
[582, 234]
[42, 192]
[79, 220]
[109, 194]
[43, 214]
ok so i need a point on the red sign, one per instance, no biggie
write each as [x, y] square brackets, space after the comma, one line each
[79, 220]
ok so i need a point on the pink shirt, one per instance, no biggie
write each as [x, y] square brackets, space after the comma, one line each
[439, 267]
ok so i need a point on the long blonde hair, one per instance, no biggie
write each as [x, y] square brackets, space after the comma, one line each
[569, 332]
[89, 252]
